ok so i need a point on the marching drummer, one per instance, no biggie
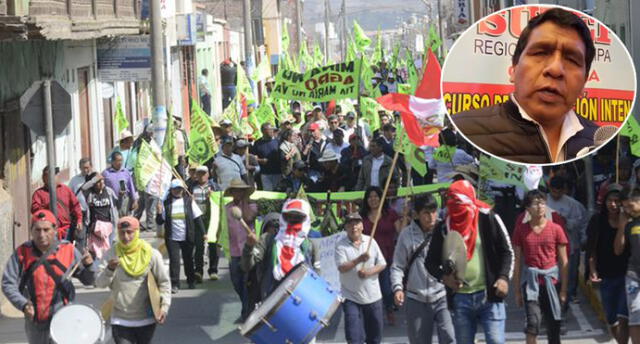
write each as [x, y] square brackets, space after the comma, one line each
[125, 269]
[36, 278]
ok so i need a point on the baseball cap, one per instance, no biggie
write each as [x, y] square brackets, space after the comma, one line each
[314, 126]
[202, 168]
[351, 114]
[225, 122]
[353, 217]
[43, 215]
[176, 183]
[242, 143]
[128, 221]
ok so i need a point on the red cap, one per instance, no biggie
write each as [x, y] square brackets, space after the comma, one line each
[314, 126]
[130, 221]
[43, 215]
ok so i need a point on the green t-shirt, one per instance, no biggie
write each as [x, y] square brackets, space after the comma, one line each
[475, 271]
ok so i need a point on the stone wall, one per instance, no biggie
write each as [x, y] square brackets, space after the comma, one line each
[6, 233]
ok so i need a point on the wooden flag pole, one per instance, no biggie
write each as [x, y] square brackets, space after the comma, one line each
[384, 195]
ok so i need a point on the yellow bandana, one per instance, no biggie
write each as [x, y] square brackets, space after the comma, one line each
[135, 256]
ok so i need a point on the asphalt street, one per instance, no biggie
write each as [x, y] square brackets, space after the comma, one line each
[207, 315]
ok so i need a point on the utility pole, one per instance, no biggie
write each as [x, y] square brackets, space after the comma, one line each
[51, 153]
[326, 31]
[159, 117]
[440, 30]
[345, 40]
[299, 22]
[248, 40]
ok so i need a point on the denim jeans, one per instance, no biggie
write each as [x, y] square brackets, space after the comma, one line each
[270, 181]
[423, 317]
[228, 93]
[239, 284]
[574, 264]
[614, 298]
[384, 278]
[471, 310]
[363, 323]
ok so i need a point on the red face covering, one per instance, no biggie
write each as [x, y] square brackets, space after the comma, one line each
[463, 208]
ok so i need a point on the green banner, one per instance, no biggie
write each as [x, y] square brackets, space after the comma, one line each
[500, 171]
[370, 107]
[144, 169]
[332, 82]
[414, 155]
[632, 130]
[121, 120]
[263, 71]
[202, 142]
[169, 144]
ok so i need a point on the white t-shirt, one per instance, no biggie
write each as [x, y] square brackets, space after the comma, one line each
[178, 218]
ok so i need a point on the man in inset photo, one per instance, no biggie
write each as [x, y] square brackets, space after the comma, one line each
[550, 67]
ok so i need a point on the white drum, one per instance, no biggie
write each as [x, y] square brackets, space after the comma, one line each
[77, 324]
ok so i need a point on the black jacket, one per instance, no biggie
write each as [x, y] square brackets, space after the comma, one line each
[194, 226]
[496, 249]
[501, 130]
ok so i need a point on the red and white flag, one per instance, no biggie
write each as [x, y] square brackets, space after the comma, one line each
[422, 114]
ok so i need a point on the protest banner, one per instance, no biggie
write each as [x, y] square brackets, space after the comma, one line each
[202, 142]
[632, 130]
[152, 173]
[609, 92]
[501, 171]
[326, 248]
[321, 84]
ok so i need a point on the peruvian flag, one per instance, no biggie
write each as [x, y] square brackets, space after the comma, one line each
[422, 114]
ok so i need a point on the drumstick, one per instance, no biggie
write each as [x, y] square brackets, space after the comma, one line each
[237, 214]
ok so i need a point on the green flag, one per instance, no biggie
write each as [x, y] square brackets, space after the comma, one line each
[303, 195]
[318, 56]
[351, 51]
[121, 120]
[215, 198]
[285, 37]
[142, 170]
[412, 72]
[362, 41]
[322, 84]
[264, 113]
[202, 142]
[413, 154]
[244, 87]
[263, 71]
[393, 63]
[378, 53]
[169, 144]
[405, 89]
[632, 130]
[370, 107]
[304, 57]
[434, 39]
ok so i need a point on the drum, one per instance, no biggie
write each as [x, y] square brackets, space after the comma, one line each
[295, 312]
[76, 323]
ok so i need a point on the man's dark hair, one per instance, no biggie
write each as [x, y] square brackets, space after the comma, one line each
[84, 161]
[286, 135]
[425, 202]
[558, 182]
[532, 196]
[629, 192]
[205, 71]
[115, 154]
[338, 132]
[449, 137]
[388, 127]
[563, 19]
[264, 125]
[379, 141]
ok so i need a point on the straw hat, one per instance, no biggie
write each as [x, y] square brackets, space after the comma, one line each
[238, 184]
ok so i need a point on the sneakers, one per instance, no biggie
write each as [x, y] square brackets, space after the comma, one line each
[198, 277]
[174, 290]
[213, 276]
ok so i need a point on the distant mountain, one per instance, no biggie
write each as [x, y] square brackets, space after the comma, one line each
[370, 14]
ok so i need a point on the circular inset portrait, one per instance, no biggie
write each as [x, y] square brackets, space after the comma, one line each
[538, 84]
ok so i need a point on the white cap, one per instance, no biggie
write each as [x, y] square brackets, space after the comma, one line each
[202, 168]
[125, 134]
[176, 183]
